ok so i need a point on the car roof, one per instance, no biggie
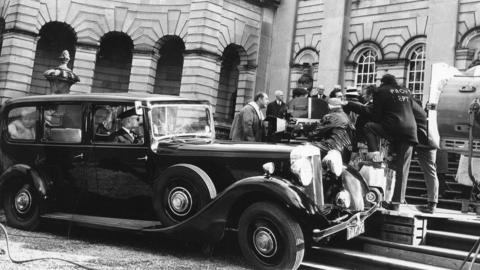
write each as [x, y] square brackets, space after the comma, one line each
[99, 97]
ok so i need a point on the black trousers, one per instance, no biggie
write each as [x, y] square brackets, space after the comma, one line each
[403, 157]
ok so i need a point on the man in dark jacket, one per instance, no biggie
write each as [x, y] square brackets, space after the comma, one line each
[394, 120]
[275, 109]
[248, 123]
[130, 121]
[319, 105]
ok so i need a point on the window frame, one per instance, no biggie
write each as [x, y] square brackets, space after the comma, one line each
[413, 58]
[372, 53]
[91, 124]
[83, 108]
[38, 126]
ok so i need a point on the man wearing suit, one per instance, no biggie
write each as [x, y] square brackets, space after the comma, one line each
[248, 123]
[275, 109]
[319, 104]
[130, 121]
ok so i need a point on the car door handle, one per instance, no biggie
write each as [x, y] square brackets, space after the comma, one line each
[79, 156]
[143, 158]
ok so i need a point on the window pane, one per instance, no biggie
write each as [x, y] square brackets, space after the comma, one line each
[62, 123]
[22, 123]
[118, 124]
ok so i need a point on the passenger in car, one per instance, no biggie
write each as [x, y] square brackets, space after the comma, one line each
[24, 128]
[130, 121]
[103, 122]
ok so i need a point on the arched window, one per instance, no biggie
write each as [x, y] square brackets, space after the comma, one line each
[114, 62]
[228, 85]
[416, 71]
[55, 37]
[366, 68]
[169, 66]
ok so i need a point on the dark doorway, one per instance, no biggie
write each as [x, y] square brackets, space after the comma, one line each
[228, 85]
[113, 64]
[168, 76]
[54, 38]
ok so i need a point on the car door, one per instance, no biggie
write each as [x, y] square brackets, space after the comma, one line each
[65, 155]
[124, 187]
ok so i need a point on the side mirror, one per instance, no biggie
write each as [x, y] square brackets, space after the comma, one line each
[138, 107]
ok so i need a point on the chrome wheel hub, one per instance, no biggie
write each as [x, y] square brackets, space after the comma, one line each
[371, 197]
[23, 201]
[264, 242]
[180, 201]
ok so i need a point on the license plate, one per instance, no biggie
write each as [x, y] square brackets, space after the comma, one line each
[356, 230]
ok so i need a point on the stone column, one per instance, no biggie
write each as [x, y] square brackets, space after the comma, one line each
[200, 76]
[84, 67]
[441, 37]
[246, 86]
[142, 74]
[201, 63]
[16, 64]
[282, 42]
[264, 51]
[333, 47]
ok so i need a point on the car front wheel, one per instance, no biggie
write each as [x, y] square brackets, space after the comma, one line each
[270, 238]
[22, 206]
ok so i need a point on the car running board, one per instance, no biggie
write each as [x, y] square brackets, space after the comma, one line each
[104, 222]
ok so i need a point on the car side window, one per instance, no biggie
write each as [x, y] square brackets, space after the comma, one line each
[117, 124]
[62, 123]
[22, 123]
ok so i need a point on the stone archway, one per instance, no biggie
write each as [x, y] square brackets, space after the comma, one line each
[168, 74]
[228, 84]
[113, 64]
[54, 38]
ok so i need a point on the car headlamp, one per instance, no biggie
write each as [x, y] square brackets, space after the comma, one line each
[301, 162]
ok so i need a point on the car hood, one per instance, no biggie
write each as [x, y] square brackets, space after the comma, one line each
[228, 149]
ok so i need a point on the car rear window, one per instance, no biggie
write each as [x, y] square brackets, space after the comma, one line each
[22, 123]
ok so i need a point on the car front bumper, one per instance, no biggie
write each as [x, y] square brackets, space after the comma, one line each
[355, 220]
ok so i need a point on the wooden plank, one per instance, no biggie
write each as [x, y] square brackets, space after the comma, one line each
[407, 239]
[398, 220]
[398, 228]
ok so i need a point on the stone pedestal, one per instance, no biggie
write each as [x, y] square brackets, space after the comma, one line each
[84, 66]
[142, 74]
[16, 64]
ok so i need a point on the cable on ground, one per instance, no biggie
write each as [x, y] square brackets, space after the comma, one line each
[36, 259]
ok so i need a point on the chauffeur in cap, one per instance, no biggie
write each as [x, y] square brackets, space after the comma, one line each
[130, 121]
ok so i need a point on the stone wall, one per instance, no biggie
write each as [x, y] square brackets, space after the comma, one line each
[206, 27]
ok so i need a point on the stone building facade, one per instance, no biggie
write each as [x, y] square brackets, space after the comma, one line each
[226, 50]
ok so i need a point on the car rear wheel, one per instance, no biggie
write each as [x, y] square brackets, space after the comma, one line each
[270, 238]
[180, 192]
[22, 206]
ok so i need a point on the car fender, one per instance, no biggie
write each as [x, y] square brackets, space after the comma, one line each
[27, 172]
[209, 224]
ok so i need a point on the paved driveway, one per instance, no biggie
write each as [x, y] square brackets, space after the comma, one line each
[99, 249]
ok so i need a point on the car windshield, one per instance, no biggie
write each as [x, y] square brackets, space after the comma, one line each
[172, 122]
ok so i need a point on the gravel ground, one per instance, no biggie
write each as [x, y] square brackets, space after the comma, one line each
[101, 249]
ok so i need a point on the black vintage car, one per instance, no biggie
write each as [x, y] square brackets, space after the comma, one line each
[63, 159]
